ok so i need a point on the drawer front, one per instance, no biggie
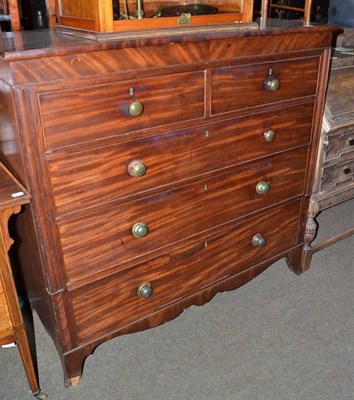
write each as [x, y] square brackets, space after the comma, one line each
[88, 113]
[340, 146]
[112, 303]
[89, 178]
[235, 88]
[106, 237]
[338, 175]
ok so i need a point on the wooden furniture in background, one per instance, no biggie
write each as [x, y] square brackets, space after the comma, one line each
[51, 13]
[99, 16]
[302, 8]
[334, 181]
[10, 8]
[12, 327]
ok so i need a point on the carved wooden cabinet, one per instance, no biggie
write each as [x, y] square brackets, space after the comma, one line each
[334, 179]
[162, 169]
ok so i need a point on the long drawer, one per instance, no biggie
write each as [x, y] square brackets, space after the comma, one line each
[83, 114]
[234, 88]
[106, 237]
[112, 303]
[87, 178]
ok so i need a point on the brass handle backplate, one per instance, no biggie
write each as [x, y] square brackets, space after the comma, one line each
[262, 187]
[145, 290]
[137, 168]
[258, 240]
[140, 230]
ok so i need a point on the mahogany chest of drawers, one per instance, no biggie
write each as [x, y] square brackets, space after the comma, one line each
[162, 170]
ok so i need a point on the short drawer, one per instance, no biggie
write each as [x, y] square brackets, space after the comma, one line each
[235, 88]
[105, 238]
[88, 113]
[113, 303]
[89, 178]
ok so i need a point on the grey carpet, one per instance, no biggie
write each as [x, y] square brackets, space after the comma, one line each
[279, 337]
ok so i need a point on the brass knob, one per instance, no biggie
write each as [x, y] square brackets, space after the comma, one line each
[271, 83]
[269, 135]
[136, 108]
[137, 168]
[258, 240]
[145, 290]
[262, 187]
[140, 230]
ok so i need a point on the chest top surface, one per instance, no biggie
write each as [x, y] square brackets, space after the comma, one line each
[38, 44]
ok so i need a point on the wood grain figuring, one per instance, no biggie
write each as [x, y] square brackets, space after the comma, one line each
[108, 62]
[250, 46]
[83, 114]
[106, 239]
[242, 87]
[95, 306]
[84, 179]
[127, 56]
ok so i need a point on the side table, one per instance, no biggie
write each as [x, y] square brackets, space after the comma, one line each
[12, 328]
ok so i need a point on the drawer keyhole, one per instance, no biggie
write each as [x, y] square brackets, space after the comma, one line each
[351, 142]
[347, 171]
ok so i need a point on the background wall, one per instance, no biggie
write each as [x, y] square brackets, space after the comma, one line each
[341, 13]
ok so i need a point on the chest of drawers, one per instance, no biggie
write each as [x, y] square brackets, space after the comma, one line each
[162, 171]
